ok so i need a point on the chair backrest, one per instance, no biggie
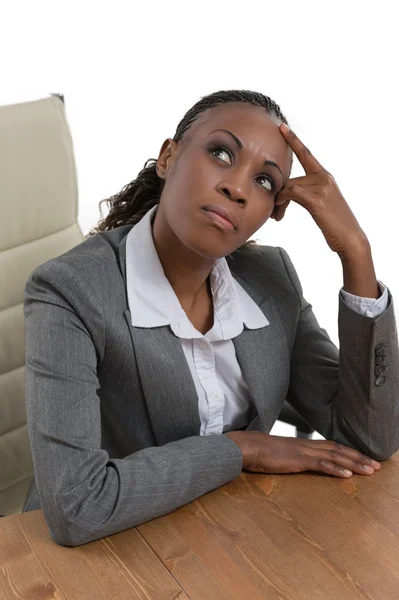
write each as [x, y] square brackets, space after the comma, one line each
[38, 221]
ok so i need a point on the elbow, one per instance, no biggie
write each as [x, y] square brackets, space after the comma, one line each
[68, 528]
[79, 515]
[380, 451]
[66, 540]
[70, 534]
[66, 534]
[73, 527]
[374, 444]
[384, 448]
[382, 454]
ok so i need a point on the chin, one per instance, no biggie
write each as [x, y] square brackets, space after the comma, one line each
[210, 249]
[206, 242]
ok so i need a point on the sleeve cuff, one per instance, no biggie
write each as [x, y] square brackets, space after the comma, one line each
[369, 307]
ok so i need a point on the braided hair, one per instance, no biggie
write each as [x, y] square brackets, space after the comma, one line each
[137, 197]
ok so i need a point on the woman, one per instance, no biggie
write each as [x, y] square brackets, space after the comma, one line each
[160, 350]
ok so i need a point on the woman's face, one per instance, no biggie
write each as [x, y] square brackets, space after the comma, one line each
[209, 167]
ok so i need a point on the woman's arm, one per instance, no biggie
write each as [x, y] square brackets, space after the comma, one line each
[85, 494]
[338, 392]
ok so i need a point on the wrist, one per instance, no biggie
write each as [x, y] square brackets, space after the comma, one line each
[241, 439]
[358, 249]
[358, 272]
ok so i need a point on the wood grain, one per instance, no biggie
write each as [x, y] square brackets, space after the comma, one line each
[118, 567]
[305, 536]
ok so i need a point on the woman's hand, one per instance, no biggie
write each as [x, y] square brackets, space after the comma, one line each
[264, 453]
[320, 195]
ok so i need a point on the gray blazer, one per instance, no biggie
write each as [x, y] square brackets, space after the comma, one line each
[112, 409]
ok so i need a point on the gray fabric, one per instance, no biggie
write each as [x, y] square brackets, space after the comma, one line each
[112, 409]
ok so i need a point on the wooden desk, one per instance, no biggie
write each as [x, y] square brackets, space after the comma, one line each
[285, 537]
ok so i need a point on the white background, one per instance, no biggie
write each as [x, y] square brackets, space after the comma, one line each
[129, 72]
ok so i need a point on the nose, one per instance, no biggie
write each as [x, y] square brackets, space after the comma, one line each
[232, 190]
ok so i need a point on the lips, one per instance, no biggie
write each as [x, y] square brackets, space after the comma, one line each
[223, 212]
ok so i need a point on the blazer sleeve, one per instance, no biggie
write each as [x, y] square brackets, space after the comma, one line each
[350, 395]
[85, 494]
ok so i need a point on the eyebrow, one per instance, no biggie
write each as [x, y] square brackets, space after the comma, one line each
[240, 145]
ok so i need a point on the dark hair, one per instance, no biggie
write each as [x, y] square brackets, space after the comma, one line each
[137, 197]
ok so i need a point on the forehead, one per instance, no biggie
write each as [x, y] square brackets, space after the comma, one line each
[258, 131]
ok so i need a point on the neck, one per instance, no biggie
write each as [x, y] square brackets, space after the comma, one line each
[186, 271]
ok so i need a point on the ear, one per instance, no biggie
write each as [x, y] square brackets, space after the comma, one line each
[167, 157]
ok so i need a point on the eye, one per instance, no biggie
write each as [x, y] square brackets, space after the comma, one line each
[270, 180]
[222, 149]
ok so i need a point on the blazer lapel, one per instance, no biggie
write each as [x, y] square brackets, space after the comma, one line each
[263, 356]
[167, 383]
[168, 386]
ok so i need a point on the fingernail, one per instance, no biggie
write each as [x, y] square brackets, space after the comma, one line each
[377, 464]
[347, 472]
[285, 127]
[368, 468]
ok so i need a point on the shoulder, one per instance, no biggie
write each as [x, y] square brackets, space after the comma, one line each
[93, 252]
[89, 263]
[97, 250]
[269, 269]
[255, 256]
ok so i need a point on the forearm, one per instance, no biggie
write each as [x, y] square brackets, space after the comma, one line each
[367, 404]
[126, 492]
[358, 272]
[339, 392]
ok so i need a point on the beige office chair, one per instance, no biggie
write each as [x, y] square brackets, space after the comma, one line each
[38, 221]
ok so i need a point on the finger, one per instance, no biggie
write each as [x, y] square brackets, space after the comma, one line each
[353, 454]
[296, 193]
[279, 211]
[346, 462]
[311, 182]
[311, 179]
[319, 462]
[331, 469]
[305, 157]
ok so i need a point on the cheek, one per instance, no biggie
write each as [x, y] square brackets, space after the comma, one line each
[258, 214]
[262, 207]
[191, 173]
[199, 177]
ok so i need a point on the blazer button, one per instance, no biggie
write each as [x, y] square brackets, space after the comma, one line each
[380, 359]
[379, 369]
[380, 380]
[379, 349]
